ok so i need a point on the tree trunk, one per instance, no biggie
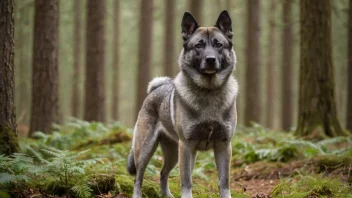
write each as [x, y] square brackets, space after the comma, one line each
[45, 75]
[8, 133]
[94, 109]
[317, 107]
[287, 72]
[22, 68]
[349, 72]
[229, 5]
[169, 47]
[253, 107]
[271, 74]
[116, 56]
[145, 50]
[77, 47]
[196, 9]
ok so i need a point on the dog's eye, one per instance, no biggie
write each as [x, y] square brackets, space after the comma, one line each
[218, 45]
[199, 46]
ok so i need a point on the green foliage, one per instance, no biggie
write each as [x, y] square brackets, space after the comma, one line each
[256, 144]
[312, 186]
[61, 173]
[70, 161]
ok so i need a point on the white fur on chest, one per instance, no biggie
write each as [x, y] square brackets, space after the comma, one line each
[209, 103]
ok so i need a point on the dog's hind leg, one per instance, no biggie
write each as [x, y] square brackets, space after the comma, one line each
[170, 152]
[145, 141]
[222, 152]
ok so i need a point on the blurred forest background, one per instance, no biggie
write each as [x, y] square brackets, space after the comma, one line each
[278, 54]
[74, 73]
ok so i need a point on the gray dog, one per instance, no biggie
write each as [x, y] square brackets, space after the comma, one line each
[195, 111]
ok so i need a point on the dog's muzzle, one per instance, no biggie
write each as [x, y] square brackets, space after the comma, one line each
[210, 66]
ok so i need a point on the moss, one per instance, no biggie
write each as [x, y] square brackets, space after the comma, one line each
[312, 186]
[109, 139]
[331, 163]
[125, 186]
[102, 183]
[8, 140]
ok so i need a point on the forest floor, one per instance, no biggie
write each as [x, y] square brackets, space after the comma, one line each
[82, 159]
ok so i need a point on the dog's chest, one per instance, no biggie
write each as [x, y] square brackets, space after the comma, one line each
[205, 134]
[210, 131]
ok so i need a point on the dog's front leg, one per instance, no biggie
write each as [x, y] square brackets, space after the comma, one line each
[223, 152]
[187, 155]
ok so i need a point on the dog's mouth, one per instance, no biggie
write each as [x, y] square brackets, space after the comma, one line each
[209, 71]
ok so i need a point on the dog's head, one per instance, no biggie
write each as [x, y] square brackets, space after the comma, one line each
[207, 56]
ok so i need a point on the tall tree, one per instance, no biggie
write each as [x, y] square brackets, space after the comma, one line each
[317, 106]
[8, 133]
[287, 72]
[94, 109]
[196, 9]
[349, 54]
[253, 107]
[22, 66]
[228, 5]
[145, 50]
[45, 75]
[169, 45]
[77, 50]
[115, 66]
[271, 83]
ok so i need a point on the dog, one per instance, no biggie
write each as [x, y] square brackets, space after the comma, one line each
[195, 111]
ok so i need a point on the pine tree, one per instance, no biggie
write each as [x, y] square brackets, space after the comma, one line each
[116, 59]
[286, 65]
[349, 86]
[8, 133]
[169, 45]
[253, 95]
[145, 50]
[45, 74]
[94, 103]
[317, 106]
[271, 80]
[77, 50]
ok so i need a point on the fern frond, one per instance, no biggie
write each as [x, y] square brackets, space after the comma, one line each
[6, 178]
[40, 135]
[330, 141]
[82, 190]
[307, 144]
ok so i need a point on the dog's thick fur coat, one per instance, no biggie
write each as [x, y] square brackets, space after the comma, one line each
[194, 111]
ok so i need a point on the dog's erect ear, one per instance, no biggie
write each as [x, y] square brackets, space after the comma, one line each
[189, 26]
[224, 23]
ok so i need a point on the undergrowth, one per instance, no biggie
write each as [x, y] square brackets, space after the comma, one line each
[83, 159]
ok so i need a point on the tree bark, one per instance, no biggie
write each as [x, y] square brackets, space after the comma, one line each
[196, 9]
[145, 50]
[169, 46]
[8, 133]
[271, 74]
[115, 66]
[77, 48]
[287, 72]
[45, 75]
[317, 106]
[349, 85]
[22, 74]
[253, 95]
[94, 109]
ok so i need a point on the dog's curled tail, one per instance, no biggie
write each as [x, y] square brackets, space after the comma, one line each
[131, 167]
[157, 82]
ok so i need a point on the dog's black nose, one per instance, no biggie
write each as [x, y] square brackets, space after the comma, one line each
[210, 59]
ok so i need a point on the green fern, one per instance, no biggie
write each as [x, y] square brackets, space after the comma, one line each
[82, 190]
